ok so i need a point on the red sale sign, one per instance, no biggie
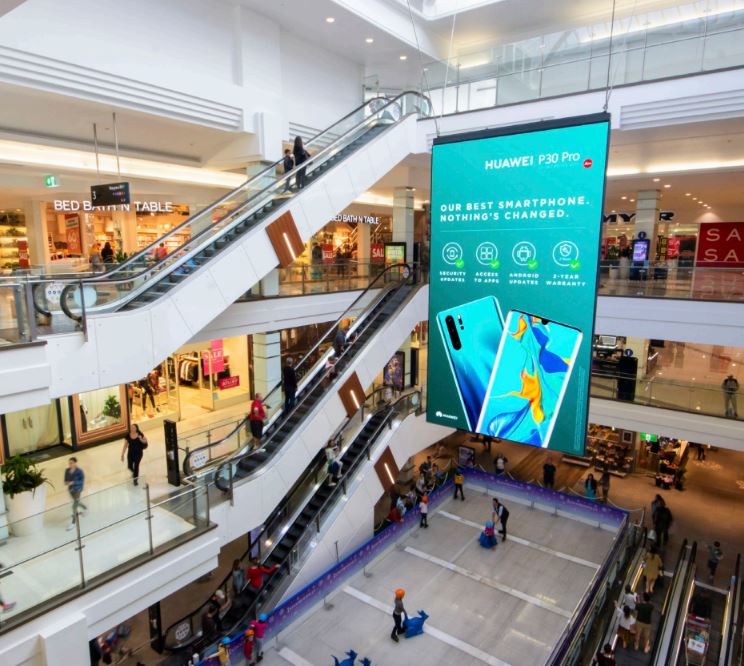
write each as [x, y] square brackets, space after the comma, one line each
[377, 252]
[720, 245]
[328, 255]
[229, 382]
[216, 354]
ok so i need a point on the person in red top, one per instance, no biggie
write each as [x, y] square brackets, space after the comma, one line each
[257, 418]
[259, 627]
[255, 573]
[248, 646]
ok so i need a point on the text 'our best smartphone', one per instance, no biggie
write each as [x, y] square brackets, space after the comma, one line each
[529, 378]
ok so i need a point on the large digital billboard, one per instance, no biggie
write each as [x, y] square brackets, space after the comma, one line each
[515, 238]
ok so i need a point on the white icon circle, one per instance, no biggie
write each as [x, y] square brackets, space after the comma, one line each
[486, 252]
[452, 253]
[565, 252]
[523, 252]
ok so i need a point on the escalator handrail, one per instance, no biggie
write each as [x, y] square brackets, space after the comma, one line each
[246, 454]
[107, 276]
[184, 256]
[680, 617]
[315, 465]
[390, 411]
[372, 286]
[731, 617]
[678, 569]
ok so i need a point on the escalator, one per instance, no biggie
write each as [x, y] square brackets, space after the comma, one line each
[143, 279]
[378, 303]
[295, 521]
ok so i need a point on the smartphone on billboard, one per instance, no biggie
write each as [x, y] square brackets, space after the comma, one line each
[471, 334]
[529, 379]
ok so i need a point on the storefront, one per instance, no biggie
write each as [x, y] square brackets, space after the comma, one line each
[73, 226]
[13, 240]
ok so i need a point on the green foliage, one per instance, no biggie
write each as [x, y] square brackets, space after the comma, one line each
[112, 407]
[120, 257]
[21, 475]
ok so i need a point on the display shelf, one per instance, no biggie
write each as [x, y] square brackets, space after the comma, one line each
[607, 449]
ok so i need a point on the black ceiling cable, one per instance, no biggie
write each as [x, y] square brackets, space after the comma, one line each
[608, 86]
[421, 63]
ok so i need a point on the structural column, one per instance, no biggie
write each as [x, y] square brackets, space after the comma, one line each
[364, 249]
[125, 225]
[37, 233]
[403, 223]
[267, 351]
[647, 218]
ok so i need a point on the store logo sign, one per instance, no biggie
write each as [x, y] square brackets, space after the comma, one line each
[357, 219]
[72, 205]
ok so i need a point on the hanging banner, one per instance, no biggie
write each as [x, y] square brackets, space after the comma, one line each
[72, 234]
[515, 241]
[720, 245]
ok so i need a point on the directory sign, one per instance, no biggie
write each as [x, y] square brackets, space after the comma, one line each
[515, 238]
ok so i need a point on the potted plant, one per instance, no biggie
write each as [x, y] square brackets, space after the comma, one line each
[112, 408]
[24, 485]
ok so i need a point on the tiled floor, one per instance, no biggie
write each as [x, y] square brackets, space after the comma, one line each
[496, 607]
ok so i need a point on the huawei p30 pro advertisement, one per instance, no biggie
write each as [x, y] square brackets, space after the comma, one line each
[515, 240]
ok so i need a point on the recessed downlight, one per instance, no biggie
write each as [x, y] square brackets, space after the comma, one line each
[667, 186]
[656, 180]
[330, 19]
[369, 40]
[623, 197]
[404, 57]
[687, 194]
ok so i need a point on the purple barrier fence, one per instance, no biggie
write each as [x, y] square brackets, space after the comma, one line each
[288, 612]
[580, 507]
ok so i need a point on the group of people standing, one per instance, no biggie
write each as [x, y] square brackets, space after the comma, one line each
[292, 159]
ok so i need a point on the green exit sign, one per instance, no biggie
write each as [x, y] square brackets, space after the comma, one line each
[51, 181]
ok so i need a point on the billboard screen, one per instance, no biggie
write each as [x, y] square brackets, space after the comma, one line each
[515, 241]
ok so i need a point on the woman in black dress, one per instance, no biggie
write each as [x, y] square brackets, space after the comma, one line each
[135, 444]
[300, 156]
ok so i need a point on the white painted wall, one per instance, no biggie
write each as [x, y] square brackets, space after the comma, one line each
[228, 56]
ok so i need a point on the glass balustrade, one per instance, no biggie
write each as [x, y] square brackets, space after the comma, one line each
[49, 555]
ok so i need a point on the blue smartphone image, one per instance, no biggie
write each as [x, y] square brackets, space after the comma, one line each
[533, 365]
[471, 333]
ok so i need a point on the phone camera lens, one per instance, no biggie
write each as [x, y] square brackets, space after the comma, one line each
[545, 322]
[452, 328]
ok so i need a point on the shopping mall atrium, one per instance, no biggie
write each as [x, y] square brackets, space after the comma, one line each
[377, 332]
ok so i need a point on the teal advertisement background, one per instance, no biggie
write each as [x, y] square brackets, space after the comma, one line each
[518, 216]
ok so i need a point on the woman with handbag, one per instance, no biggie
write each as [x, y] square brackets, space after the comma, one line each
[135, 444]
[300, 156]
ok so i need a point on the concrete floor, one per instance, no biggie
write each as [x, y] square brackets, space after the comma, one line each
[495, 607]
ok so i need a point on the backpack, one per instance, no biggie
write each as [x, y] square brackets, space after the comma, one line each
[459, 478]
[504, 513]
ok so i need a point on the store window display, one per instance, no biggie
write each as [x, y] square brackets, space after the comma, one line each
[103, 412]
[13, 240]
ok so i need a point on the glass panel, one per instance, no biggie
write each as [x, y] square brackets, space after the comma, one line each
[101, 408]
[724, 50]
[563, 79]
[32, 429]
[673, 59]
[483, 94]
[518, 87]
[14, 322]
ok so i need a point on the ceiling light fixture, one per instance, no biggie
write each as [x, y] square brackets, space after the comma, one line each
[404, 57]
[623, 197]
[656, 180]
[687, 194]
[330, 19]
[369, 40]
[694, 198]
[667, 186]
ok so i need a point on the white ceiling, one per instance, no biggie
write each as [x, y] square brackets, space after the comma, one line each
[51, 119]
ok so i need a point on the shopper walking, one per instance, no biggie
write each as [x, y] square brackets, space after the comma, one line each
[626, 624]
[644, 616]
[256, 572]
[107, 253]
[662, 522]
[652, 566]
[500, 514]
[289, 384]
[459, 481]
[147, 392]
[135, 444]
[94, 255]
[339, 341]
[715, 555]
[424, 511]
[300, 156]
[75, 480]
[259, 627]
[590, 487]
[604, 484]
[257, 418]
[398, 612]
[288, 163]
[730, 388]
[549, 473]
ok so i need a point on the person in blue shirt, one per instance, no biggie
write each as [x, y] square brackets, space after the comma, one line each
[75, 480]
